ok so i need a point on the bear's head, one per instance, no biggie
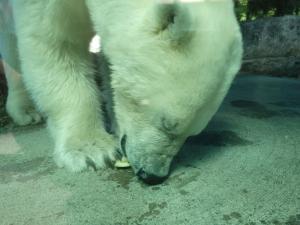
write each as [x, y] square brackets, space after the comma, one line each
[170, 73]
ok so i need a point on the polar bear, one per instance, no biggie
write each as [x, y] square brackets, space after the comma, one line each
[171, 62]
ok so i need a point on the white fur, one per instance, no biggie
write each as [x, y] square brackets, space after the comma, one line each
[172, 64]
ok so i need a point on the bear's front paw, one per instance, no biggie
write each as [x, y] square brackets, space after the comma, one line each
[24, 118]
[22, 111]
[93, 153]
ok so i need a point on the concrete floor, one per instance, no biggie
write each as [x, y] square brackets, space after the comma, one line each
[244, 169]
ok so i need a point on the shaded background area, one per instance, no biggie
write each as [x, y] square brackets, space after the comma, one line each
[254, 9]
[271, 32]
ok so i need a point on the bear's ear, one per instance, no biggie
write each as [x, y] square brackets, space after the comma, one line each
[172, 21]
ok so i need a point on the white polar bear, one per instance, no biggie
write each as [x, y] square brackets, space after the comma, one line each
[171, 65]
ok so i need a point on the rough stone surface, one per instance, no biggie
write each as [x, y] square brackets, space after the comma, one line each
[272, 46]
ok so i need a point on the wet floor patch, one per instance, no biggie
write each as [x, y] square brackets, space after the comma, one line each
[123, 177]
[153, 211]
[235, 216]
[219, 138]
[24, 166]
[26, 170]
[232, 216]
[293, 220]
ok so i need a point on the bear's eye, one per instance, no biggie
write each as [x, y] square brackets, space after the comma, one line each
[169, 127]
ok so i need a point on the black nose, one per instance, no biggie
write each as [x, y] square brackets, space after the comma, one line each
[150, 178]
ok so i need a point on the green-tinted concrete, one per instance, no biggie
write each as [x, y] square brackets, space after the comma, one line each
[244, 170]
